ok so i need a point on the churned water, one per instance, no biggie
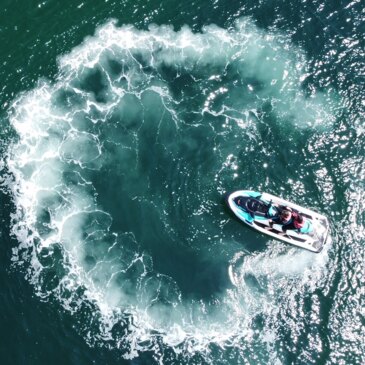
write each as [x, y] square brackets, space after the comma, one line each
[123, 127]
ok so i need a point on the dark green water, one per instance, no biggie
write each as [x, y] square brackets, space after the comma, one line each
[123, 125]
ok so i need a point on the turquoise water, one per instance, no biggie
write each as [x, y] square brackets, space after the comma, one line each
[123, 127]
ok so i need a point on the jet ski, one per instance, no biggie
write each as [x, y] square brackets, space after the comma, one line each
[259, 210]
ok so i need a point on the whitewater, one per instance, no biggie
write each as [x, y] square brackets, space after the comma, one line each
[118, 172]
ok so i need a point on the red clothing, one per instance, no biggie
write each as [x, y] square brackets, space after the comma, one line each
[298, 220]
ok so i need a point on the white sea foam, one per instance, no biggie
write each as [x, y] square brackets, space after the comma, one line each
[64, 131]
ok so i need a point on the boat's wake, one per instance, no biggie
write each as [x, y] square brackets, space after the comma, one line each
[129, 112]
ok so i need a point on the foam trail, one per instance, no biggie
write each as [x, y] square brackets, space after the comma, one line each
[121, 98]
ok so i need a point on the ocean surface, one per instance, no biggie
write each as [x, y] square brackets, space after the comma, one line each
[123, 126]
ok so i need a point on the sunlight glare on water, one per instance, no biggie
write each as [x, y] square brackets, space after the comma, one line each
[119, 169]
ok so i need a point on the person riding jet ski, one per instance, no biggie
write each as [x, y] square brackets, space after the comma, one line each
[290, 220]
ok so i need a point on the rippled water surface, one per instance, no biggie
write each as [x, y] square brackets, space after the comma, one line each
[123, 127]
